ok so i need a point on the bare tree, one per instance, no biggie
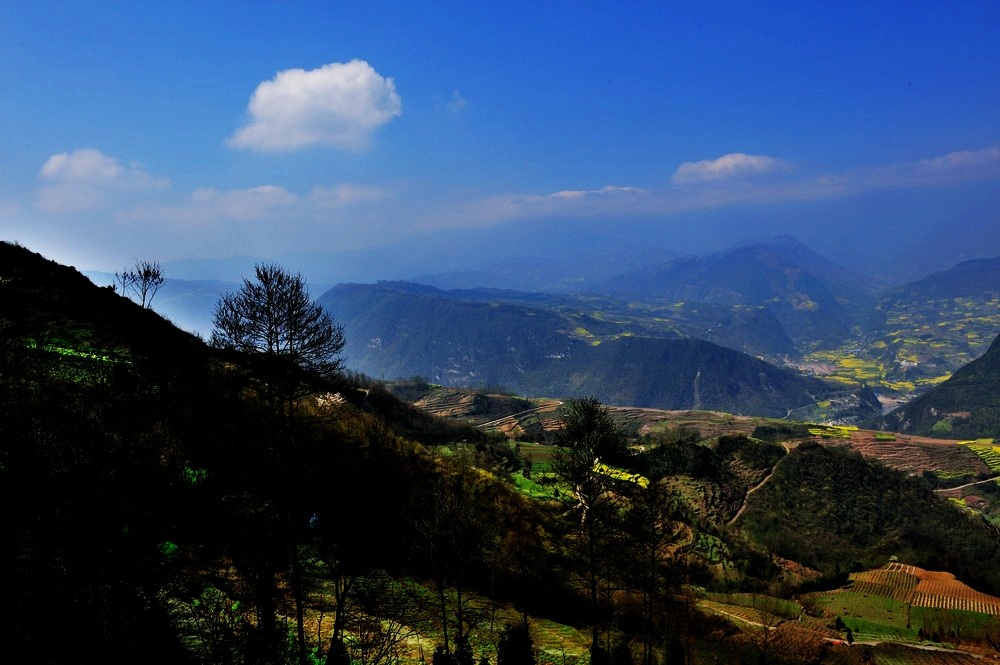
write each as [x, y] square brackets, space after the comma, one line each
[385, 617]
[141, 281]
[769, 615]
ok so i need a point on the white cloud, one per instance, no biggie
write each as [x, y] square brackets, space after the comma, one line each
[346, 194]
[85, 165]
[610, 190]
[735, 164]
[961, 160]
[84, 179]
[91, 166]
[338, 105]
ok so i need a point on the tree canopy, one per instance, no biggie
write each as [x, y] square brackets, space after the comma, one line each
[274, 317]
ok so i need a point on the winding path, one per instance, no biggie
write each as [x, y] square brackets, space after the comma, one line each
[978, 482]
[746, 497]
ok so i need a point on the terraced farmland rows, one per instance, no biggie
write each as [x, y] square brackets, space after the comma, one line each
[989, 454]
[923, 588]
[895, 581]
[916, 454]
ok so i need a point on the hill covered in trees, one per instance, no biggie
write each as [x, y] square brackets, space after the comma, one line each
[463, 339]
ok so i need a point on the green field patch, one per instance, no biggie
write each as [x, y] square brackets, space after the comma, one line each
[832, 431]
[868, 612]
[864, 630]
[532, 488]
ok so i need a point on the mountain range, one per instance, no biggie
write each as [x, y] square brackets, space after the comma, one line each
[776, 301]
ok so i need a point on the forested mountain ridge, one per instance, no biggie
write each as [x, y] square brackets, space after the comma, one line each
[396, 330]
[898, 343]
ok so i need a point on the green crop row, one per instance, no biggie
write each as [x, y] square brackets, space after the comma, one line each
[989, 454]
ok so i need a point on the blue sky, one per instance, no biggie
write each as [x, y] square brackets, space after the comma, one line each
[187, 130]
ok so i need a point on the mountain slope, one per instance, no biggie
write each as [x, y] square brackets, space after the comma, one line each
[857, 510]
[680, 374]
[400, 330]
[965, 406]
[933, 326]
[814, 300]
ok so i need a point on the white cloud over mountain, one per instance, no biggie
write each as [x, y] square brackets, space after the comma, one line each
[338, 105]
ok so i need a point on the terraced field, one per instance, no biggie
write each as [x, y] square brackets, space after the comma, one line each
[889, 594]
[914, 454]
[986, 451]
[538, 419]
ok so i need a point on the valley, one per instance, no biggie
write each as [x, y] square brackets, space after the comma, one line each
[829, 342]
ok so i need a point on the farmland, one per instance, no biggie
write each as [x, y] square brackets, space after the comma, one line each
[919, 343]
[922, 588]
[897, 614]
[536, 420]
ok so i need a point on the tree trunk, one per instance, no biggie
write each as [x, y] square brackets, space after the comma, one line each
[300, 631]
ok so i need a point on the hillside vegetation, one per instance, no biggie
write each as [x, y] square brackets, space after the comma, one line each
[400, 330]
[163, 508]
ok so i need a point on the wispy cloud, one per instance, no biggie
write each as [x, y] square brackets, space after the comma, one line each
[725, 182]
[452, 105]
[732, 165]
[610, 190]
[503, 207]
[961, 160]
[211, 206]
[338, 105]
[86, 179]
[347, 194]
